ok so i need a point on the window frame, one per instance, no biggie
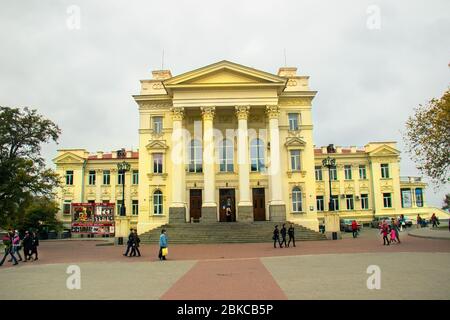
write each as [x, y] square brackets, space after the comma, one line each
[349, 198]
[134, 207]
[158, 205]
[295, 160]
[135, 177]
[364, 199]
[322, 206]
[157, 126]
[348, 175]
[195, 165]
[316, 170]
[297, 201]
[294, 122]
[387, 198]
[259, 160]
[385, 171]
[226, 156]
[92, 177]
[362, 169]
[69, 177]
[157, 160]
[106, 176]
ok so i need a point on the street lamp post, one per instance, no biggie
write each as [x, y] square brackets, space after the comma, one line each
[123, 167]
[330, 163]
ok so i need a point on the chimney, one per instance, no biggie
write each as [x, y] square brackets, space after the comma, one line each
[161, 74]
[324, 150]
[114, 154]
[287, 72]
[353, 149]
[99, 154]
[338, 149]
[128, 154]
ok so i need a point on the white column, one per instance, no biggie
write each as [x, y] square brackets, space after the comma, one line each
[243, 161]
[177, 158]
[208, 157]
[276, 192]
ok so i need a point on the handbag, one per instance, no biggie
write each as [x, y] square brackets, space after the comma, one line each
[165, 251]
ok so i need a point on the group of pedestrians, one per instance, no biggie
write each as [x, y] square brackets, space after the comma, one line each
[283, 232]
[13, 244]
[390, 231]
[133, 244]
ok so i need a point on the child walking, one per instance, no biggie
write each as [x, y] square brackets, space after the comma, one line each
[393, 235]
[385, 232]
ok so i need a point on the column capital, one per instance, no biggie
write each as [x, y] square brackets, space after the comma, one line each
[208, 112]
[272, 111]
[242, 112]
[177, 113]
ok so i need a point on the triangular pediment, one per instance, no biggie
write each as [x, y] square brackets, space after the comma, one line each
[295, 142]
[385, 150]
[68, 157]
[156, 144]
[224, 73]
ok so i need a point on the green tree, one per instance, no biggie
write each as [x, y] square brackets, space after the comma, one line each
[40, 215]
[23, 174]
[446, 205]
[427, 138]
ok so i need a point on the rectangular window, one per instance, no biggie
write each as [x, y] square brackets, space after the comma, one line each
[120, 177]
[295, 160]
[333, 173]
[387, 200]
[135, 176]
[348, 172]
[157, 124]
[119, 206]
[66, 206]
[364, 201]
[319, 203]
[135, 207]
[335, 202]
[419, 197]
[362, 172]
[349, 202]
[384, 170]
[318, 171]
[293, 121]
[406, 198]
[106, 177]
[92, 177]
[157, 163]
[69, 178]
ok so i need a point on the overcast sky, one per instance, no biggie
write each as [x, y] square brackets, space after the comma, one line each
[370, 70]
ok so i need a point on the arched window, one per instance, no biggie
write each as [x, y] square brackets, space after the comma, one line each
[296, 199]
[157, 202]
[195, 156]
[226, 156]
[257, 155]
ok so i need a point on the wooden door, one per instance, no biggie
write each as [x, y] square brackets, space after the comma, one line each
[227, 199]
[259, 204]
[195, 204]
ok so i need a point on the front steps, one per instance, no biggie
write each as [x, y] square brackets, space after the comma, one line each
[225, 232]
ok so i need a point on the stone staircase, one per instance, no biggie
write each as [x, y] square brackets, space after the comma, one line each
[225, 232]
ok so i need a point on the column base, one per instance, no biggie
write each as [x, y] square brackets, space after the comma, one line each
[245, 213]
[177, 215]
[209, 214]
[277, 212]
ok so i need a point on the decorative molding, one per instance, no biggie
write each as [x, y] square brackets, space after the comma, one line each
[272, 111]
[156, 145]
[208, 113]
[294, 142]
[296, 101]
[177, 113]
[242, 112]
[154, 106]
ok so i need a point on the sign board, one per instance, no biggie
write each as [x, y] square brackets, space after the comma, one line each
[93, 218]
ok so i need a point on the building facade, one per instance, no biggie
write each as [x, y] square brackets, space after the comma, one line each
[225, 139]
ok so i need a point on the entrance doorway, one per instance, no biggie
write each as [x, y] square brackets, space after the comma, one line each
[227, 203]
[195, 204]
[259, 204]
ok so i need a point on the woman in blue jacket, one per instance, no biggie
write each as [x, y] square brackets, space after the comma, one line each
[162, 244]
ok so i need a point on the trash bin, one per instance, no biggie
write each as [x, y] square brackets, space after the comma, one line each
[120, 240]
[334, 236]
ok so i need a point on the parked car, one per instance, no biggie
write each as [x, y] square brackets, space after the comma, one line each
[408, 222]
[377, 221]
[346, 225]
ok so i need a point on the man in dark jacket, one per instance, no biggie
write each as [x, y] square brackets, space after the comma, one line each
[276, 237]
[283, 236]
[34, 245]
[129, 242]
[291, 235]
[26, 246]
[135, 247]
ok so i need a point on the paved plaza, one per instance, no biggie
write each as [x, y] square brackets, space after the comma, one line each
[415, 269]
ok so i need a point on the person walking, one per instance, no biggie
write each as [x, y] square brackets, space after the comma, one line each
[16, 245]
[276, 237]
[26, 242]
[385, 232]
[283, 232]
[129, 242]
[162, 245]
[291, 235]
[434, 221]
[419, 221]
[34, 246]
[354, 228]
[396, 227]
[136, 242]
[7, 241]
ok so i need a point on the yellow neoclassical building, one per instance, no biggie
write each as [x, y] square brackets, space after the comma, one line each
[229, 142]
